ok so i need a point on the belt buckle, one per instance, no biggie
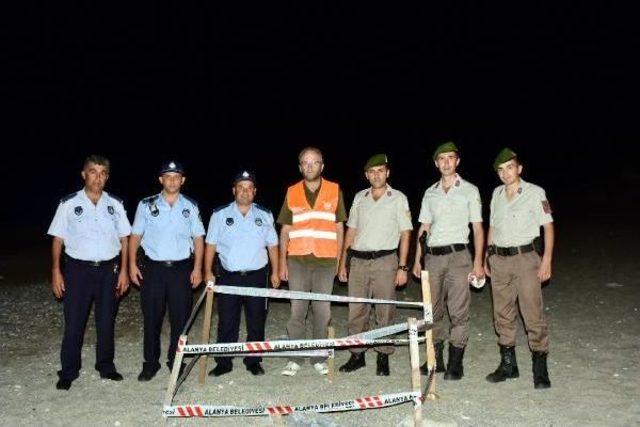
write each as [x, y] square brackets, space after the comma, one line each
[95, 263]
[168, 263]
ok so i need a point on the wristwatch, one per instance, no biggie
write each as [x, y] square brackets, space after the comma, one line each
[403, 268]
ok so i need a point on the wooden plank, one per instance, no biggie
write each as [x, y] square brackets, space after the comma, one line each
[430, 350]
[414, 354]
[277, 420]
[206, 334]
[331, 361]
[175, 372]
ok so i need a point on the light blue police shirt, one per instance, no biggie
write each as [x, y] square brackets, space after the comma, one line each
[90, 232]
[167, 231]
[241, 240]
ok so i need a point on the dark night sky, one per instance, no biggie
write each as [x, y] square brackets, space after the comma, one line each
[227, 86]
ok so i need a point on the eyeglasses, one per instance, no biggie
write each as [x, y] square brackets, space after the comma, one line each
[313, 163]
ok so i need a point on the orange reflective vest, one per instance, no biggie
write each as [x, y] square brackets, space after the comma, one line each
[313, 229]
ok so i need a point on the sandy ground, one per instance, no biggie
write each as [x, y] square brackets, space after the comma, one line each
[592, 303]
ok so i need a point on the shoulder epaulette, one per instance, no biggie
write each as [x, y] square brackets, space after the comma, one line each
[68, 197]
[262, 208]
[189, 199]
[149, 200]
[219, 208]
[116, 198]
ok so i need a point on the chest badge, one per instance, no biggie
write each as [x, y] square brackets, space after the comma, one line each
[154, 210]
[78, 210]
[327, 206]
[186, 212]
[258, 222]
[229, 221]
[110, 210]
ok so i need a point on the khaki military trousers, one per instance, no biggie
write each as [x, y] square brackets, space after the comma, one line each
[514, 280]
[449, 283]
[372, 278]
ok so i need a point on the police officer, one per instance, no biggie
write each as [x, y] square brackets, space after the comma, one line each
[518, 210]
[379, 220]
[243, 235]
[448, 206]
[169, 228]
[92, 227]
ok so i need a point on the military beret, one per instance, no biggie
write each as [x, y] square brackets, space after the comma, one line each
[171, 167]
[244, 176]
[504, 156]
[446, 147]
[376, 160]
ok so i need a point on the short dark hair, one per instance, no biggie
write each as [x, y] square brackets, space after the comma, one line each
[308, 149]
[97, 159]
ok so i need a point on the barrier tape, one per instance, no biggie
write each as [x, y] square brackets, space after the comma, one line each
[359, 404]
[308, 353]
[269, 346]
[278, 293]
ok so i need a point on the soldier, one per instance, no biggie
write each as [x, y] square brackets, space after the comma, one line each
[243, 234]
[448, 207]
[310, 243]
[169, 227]
[379, 220]
[92, 227]
[518, 210]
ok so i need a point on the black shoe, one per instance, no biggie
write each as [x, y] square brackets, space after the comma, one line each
[508, 367]
[439, 348]
[382, 365]
[540, 374]
[146, 375]
[113, 376]
[221, 370]
[454, 368]
[255, 369]
[356, 361]
[63, 384]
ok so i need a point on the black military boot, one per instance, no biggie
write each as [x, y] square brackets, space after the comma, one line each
[508, 366]
[540, 374]
[439, 347]
[382, 365]
[356, 361]
[454, 368]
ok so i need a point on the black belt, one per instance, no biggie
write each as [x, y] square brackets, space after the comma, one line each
[370, 254]
[243, 272]
[105, 263]
[446, 250]
[169, 263]
[510, 251]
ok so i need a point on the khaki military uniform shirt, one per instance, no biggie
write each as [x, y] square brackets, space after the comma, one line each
[379, 223]
[450, 213]
[517, 222]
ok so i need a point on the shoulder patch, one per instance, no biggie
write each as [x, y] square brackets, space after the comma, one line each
[262, 208]
[68, 197]
[190, 200]
[149, 200]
